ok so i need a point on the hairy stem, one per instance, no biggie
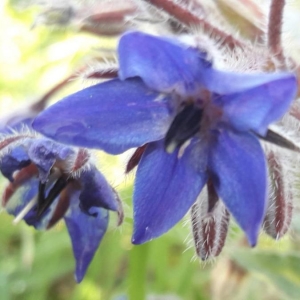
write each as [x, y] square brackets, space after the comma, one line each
[40, 104]
[188, 18]
[108, 73]
[275, 30]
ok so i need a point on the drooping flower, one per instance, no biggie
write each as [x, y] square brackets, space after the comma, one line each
[195, 124]
[50, 181]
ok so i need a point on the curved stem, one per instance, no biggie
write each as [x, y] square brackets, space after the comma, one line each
[188, 18]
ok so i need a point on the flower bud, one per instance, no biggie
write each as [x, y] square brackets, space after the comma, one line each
[280, 207]
[210, 221]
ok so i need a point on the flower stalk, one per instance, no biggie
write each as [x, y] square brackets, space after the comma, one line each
[138, 259]
[275, 31]
[187, 18]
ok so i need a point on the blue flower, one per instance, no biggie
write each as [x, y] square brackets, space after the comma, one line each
[50, 181]
[196, 124]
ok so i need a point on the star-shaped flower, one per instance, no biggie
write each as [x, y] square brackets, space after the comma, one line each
[195, 124]
[50, 181]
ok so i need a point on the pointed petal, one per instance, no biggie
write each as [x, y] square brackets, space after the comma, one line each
[17, 159]
[256, 108]
[20, 200]
[166, 186]
[239, 174]
[163, 64]
[86, 233]
[96, 191]
[228, 83]
[43, 222]
[113, 116]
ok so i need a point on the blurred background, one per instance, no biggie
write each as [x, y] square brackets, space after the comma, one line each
[39, 265]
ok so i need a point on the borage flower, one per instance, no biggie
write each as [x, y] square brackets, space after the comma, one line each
[50, 181]
[196, 125]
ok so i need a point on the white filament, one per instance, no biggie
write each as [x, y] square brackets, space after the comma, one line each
[24, 211]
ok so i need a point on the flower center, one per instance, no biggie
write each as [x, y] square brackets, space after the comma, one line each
[185, 125]
[198, 115]
[43, 202]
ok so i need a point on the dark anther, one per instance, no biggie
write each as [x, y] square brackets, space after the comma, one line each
[184, 126]
[279, 140]
[44, 203]
[41, 195]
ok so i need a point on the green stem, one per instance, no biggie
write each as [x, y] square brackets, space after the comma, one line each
[138, 258]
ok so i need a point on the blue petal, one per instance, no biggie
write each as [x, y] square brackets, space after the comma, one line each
[113, 116]
[27, 192]
[22, 197]
[256, 108]
[17, 159]
[239, 174]
[165, 188]
[96, 191]
[44, 153]
[163, 64]
[43, 222]
[228, 83]
[86, 233]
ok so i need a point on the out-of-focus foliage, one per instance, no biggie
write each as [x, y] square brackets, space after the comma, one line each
[39, 265]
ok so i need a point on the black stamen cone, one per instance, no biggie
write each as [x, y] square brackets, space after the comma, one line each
[184, 126]
[44, 203]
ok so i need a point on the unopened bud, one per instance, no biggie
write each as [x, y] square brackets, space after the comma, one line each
[107, 17]
[280, 207]
[209, 224]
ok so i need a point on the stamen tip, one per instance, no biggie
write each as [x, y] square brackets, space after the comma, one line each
[170, 148]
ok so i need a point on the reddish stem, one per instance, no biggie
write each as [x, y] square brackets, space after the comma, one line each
[275, 30]
[42, 102]
[101, 74]
[189, 19]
